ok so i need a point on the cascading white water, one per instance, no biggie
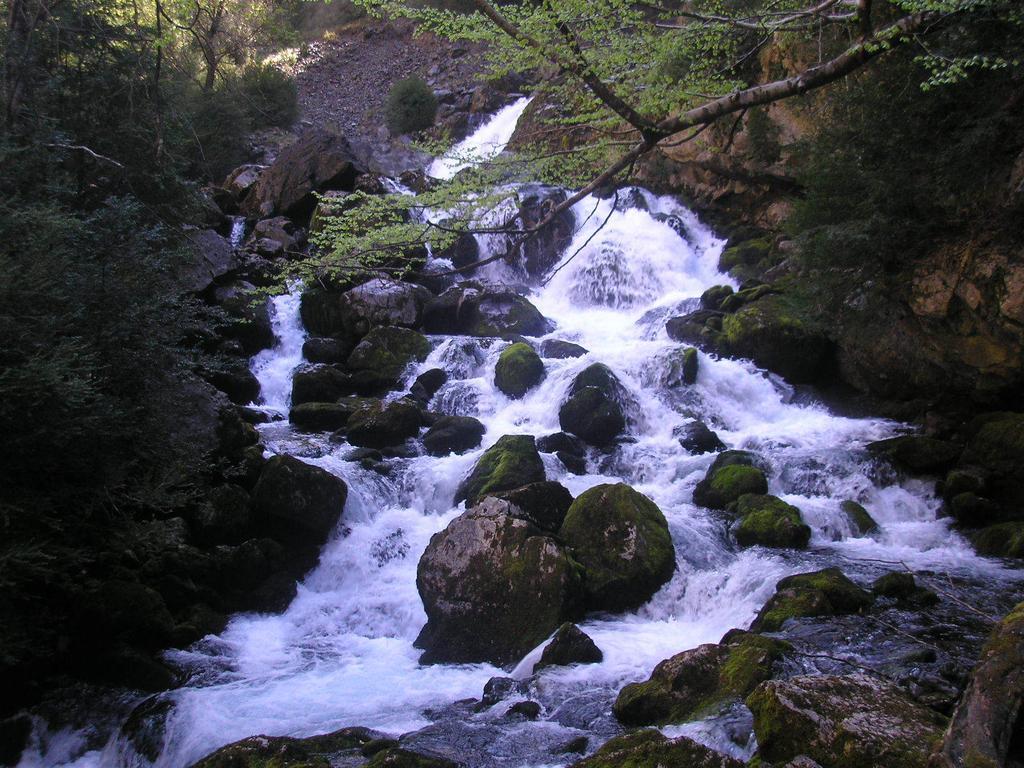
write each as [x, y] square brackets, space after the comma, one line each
[342, 653]
[486, 142]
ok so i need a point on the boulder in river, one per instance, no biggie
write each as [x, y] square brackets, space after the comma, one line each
[297, 500]
[621, 540]
[559, 349]
[384, 354]
[917, 453]
[510, 463]
[518, 370]
[493, 587]
[861, 521]
[570, 645]
[570, 450]
[324, 349]
[595, 409]
[651, 749]
[545, 504]
[819, 593]
[700, 681]
[541, 252]
[683, 365]
[724, 485]
[902, 587]
[697, 438]
[453, 434]
[986, 726]
[427, 385]
[318, 384]
[996, 445]
[768, 521]
[1002, 540]
[381, 302]
[475, 311]
[325, 417]
[843, 721]
[290, 752]
[381, 425]
[713, 297]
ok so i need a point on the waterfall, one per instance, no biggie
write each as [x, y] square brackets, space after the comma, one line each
[274, 367]
[485, 143]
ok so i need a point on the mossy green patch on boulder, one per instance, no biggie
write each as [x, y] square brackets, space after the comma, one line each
[1003, 540]
[683, 366]
[319, 417]
[289, 752]
[820, 593]
[692, 683]
[861, 521]
[748, 253]
[380, 424]
[387, 351]
[512, 462]
[721, 487]
[396, 757]
[768, 521]
[900, 585]
[621, 540]
[996, 445]
[518, 370]
[595, 410]
[713, 297]
[849, 721]
[651, 749]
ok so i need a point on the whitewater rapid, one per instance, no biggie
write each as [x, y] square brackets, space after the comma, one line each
[342, 653]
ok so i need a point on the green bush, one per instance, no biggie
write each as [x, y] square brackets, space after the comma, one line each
[411, 106]
[269, 96]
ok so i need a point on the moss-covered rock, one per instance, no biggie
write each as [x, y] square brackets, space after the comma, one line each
[973, 511]
[650, 749]
[819, 593]
[544, 504]
[713, 297]
[288, 752]
[725, 485]
[683, 365]
[385, 352]
[768, 521]
[861, 521]
[748, 253]
[850, 721]
[318, 384]
[396, 757]
[512, 462]
[325, 417]
[986, 725]
[693, 683]
[621, 540]
[996, 445]
[901, 586]
[493, 586]
[595, 409]
[518, 370]
[917, 453]
[380, 424]
[1002, 540]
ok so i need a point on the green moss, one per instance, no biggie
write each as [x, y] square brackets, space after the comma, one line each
[388, 350]
[748, 253]
[1003, 540]
[820, 593]
[721, 487]
[683, 367]
[519, 369]
[861, 520]
[650, 749]
[749, 663]
[510, 463]
[768, 521]
[287, 752]
[901, 586]
[403, 758]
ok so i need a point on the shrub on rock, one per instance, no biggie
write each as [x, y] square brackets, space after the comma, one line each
[493, 587]
[411, 106]
[518, 370]
[622, 541]
[510, 463]
[819, 593]
[768, 521]
[595, 409]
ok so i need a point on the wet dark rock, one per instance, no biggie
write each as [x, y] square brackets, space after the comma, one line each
[318, 384]
[725, 483]
[561, 442]
[861, 521]
[901, 586]
[595, 409]
[404, 758]
[819, 593]
[1002, 540]
[768, 521]
[695, 327]
[849, 721]
[996, 445]
[498, 688]
[541, 252]
[544, 504]
[128, 611]
[210, 257]
[697, 438]
[453, 434]
[917, 453]
[321, 349]
[986, 726]
[427, 385]
[385, 353]
[325, 417]
[650, 749]
[474, 311]
[289, 752]
[14, 735]
[528, 709]
[381, 425]
[316, 162]
[462, 253]
[570, 645]
[712, 298]
[297, 500]
[493, 587]
[226, 517]
[577, 746]
[249, 316]
[241, 180]
[621, 540]
[700, 681]
[683, 365]
[511, 462]
[558, 349]
[234, 379]
[518, 370]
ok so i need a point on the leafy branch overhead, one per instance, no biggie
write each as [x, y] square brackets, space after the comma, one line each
[623, 78]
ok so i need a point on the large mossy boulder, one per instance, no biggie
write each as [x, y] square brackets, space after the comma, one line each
[849, 721]
[545, 504]
[473, 310]
[724, 485]
[493, 586]
[381, 425]
[453, 434]
[290, 752]
[325, 417]
[1002, 540]
[296, 500]
[622, 541]
[595, 409]
[385, 353]
[768, 521]
[697, 682]
[996, 445]
[518, 370]
[318, 384]
[985, 731]
[349, 315]
[651, 749]
[819, 593]
[512, 462]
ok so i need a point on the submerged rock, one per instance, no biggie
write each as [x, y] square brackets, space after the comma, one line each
[595, 409]
[511, 462]
[849, 721]
[695, 682]
[819, 593]
[697, 438]
[493, 586]
[570, 645]
[901, 586]
[621, 540]
[650, 749]
[985, 730]
[518, 370]
[768, 521]
[453, 434]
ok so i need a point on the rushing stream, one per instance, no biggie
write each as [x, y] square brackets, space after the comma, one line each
[342, 653]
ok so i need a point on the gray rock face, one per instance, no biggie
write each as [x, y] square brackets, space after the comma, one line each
[213, 257]
[848, 721]
[351, 315]
[493, 586]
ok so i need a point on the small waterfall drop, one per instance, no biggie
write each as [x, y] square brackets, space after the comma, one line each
[274, 367]
[486, 142]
